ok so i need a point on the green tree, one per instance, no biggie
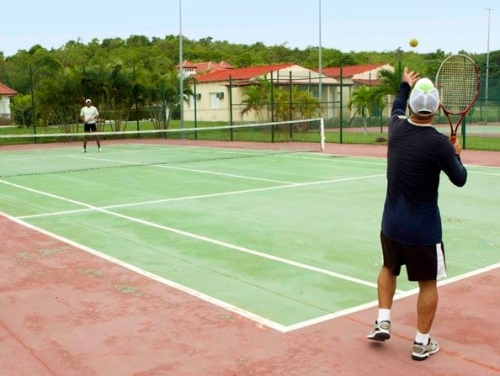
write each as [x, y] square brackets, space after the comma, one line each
[119, 73]
[256, 98]
[22, 110]
[280, 104]
[164, 96]
[367, 100]
[389, 81]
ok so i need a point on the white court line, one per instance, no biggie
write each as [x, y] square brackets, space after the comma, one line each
[346, 160]
[167, 282]
[382, 161]
[117, 206]
[398, 296]
[199, 237]
[376, 161]
[224, 174]
[483, 173]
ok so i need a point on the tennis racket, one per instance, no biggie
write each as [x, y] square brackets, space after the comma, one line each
[92, 118]
[458, 82]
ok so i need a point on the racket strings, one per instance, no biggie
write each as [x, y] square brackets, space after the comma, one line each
[457, 82]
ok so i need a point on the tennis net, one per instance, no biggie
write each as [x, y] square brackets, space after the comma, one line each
[62, 152]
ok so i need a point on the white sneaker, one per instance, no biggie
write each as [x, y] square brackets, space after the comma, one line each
[100, 150]
[381, 331]
[421, 352]
[84, 150]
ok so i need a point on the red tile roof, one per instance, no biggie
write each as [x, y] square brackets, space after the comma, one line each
[242, 73]
[349, 71]
[205, 67]
[187, 64]
[208, 66]
[226, 65]
[366, 82]
[5, 90]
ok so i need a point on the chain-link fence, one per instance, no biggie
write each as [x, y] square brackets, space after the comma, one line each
[291, 96]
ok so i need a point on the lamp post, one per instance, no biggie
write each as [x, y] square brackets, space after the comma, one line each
[399, 53]
[181, 73]
[320, 64]
[487, 69]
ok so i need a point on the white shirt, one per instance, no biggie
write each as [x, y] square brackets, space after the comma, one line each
[89, 114]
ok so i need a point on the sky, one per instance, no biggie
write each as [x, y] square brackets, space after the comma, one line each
[354, 25]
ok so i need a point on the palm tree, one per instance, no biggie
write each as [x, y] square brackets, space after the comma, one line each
[257, 98]
[389, 81]
[289, 103]
[306, 104]
[366, 99]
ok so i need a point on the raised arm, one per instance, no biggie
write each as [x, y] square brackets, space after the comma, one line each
[408, 78]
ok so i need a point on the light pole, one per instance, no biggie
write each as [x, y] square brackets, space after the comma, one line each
[487, 69]
[399, 53]
[181, 68]
[320, 64]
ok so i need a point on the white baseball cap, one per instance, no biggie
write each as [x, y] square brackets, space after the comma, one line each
[88, 101]
[424, 98]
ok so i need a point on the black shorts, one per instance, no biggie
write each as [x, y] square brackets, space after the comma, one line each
[89, 127]
[423, 262]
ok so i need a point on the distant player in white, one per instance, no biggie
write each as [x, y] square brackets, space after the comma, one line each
[89, 114]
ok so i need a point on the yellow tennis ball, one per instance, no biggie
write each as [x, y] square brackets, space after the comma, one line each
[413, 42]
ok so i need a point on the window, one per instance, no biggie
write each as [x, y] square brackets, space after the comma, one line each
[215, 100]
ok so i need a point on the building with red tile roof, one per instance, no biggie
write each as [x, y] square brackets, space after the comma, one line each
[190, 68]
[361, 74]
[243, 75]
[5, 94]
[219, 88]
[221, 91]
[354, 76]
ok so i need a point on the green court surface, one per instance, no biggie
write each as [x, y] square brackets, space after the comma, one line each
[284, 238]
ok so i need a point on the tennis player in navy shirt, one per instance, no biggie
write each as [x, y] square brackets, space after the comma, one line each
[411, 232]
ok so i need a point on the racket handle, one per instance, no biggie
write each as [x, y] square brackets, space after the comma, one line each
[453, 139]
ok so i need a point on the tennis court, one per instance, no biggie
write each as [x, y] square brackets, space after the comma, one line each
[284, 239]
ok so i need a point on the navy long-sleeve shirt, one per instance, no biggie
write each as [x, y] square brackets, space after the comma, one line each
[416, 156]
